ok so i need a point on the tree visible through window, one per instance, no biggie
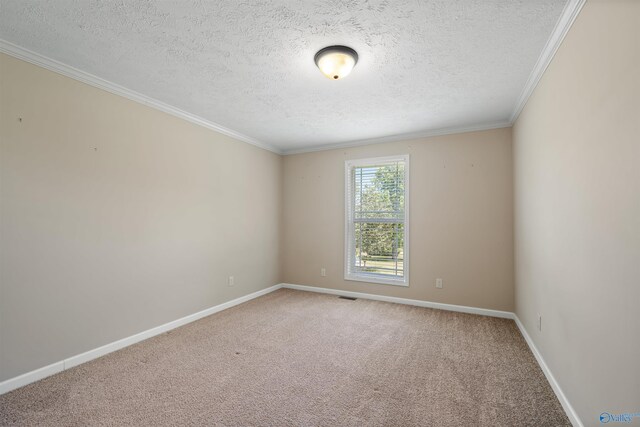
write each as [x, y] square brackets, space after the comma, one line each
[376, 219]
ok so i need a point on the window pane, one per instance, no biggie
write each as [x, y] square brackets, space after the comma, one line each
[379, 192]
[375, 215]
[379, 248]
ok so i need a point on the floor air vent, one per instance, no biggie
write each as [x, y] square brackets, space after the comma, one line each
[349, 298]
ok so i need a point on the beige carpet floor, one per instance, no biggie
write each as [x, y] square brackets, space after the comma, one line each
[293, 358]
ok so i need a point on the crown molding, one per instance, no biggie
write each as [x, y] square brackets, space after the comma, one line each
[564, 23]
[566, 19]
[100, 83]
[401, 137]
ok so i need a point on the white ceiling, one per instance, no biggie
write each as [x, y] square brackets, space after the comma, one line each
[425, 65]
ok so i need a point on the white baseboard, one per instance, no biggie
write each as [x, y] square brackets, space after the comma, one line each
[568, 409]
[406, 301]
[54, 368]
[31, 377]
[571, 413]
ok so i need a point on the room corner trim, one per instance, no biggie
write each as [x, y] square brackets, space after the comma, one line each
[564, 23]
[100, 83]
[41, 373]
[406, 301]
[568, 409]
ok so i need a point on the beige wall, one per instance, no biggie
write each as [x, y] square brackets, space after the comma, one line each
[99, 245]
[577, 211]
[116, 218]
[460, 218]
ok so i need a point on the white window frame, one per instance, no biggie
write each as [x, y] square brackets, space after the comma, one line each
[349, 231]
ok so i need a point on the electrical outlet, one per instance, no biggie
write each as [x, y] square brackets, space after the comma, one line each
[439, 283]
[323, 272]
[231, 281]
[539, 322]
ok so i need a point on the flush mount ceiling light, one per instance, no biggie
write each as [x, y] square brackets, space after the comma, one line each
[336, 62]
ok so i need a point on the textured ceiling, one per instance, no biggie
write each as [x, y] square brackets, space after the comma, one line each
[248, 65]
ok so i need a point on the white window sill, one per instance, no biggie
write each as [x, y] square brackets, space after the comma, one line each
[374, 278]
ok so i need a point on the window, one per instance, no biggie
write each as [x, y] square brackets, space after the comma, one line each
[376, 229]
